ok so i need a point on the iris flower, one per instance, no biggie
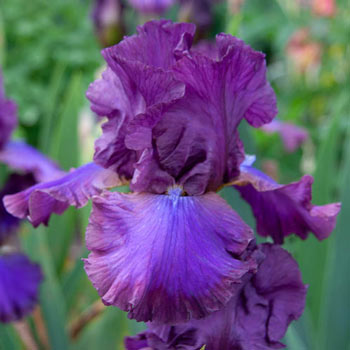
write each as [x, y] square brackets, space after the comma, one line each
[19, 277]
[172, 251]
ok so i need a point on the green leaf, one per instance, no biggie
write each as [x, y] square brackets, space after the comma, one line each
[335, 327]
[314, 256]
[64, 146]
[51, 297]
[50, 107]
[65, 150]
[105, 332]
[8, 338]
[293, 340]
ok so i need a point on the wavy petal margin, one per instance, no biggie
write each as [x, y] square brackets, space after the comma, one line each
[38, 202]
[195, 138]
[166, 258]
[281, 210]
[256, 317]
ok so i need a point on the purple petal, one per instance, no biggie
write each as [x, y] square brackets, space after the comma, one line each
[9, 223]
[195, 138]
[293, 136]
[136, 78]
[138, 342]
[38, 202]
[151, 6]
[22, 157]
[165, 338]
[281, 210]
[256, 317]
[166, 258]
[19, 286]
[8, 116]
[259, 315]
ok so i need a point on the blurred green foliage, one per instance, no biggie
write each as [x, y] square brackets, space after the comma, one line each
[50, 54]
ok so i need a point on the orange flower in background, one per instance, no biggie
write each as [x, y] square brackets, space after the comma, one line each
[303, 51]
[324, 8]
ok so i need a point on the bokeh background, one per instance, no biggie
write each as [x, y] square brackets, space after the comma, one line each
[50, 52]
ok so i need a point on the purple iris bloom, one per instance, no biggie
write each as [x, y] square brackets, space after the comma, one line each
[256, 317]
[8, 222]
[281, 210]
[293, 136]
[172, 250]
[19, 278]
[107, 19]
[19, 286]
[151, 6]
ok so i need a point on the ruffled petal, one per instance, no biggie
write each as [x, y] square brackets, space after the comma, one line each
[293, 136]
[256, 317]
[19, 286]
[9, 223]
[167, 258]
[38, 202]
[195, 138]
[8, 116]
[281, 210]
[22, 157]
[151, 6]
[137, 78]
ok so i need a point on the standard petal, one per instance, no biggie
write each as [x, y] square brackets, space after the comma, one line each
[137, 78]
[293, 136]
[19, 286]
[8, 116]
[38, 202]
[166, 258]
[195, 139]
[9, 223]
[281, 210]
[22, 157]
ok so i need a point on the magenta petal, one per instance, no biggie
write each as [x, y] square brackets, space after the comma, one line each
[281, 210]
[19, 286]
[22, 157]
[8, 116]
[293, 136]
[38, 202]
[166, 258]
